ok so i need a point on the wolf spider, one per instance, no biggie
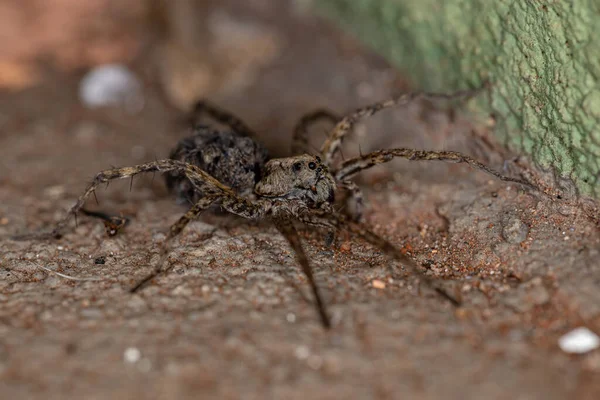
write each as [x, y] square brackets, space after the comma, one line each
[229, 168]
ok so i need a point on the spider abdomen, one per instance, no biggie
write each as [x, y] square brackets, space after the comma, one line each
[233, 159]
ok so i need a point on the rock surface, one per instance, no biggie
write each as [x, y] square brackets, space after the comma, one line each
[234, 317]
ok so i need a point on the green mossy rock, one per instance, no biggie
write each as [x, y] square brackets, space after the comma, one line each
[542, 57]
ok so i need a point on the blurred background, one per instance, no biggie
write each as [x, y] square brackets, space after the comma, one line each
[268, 61]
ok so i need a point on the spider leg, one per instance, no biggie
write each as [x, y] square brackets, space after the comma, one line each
[198, 177]
[355, 201]
[175, 230]
[193, 213]
[344, 126]
[222, 116]
[300, 138]
[355, 165]
[289, 232]
[329, 220]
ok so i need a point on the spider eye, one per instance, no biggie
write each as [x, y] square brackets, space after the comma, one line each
[297, 166]
[318, 159]
[312, 165]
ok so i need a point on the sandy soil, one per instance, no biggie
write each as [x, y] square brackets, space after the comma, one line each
[232, 320]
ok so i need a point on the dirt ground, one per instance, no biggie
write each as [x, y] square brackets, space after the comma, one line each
[232, 319]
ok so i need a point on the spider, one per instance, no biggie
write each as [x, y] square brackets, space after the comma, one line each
[231, 169]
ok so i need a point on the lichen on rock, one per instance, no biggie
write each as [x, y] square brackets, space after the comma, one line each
[540, 57]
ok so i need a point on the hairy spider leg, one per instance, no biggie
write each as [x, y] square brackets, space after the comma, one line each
[222, 116]
[286, 228]
[355, 201]
[351, 167]
[334, 141]
[175, 229]
[193, 213]
[300, 138]
[248, 210]
[198, 177]
[340, 222]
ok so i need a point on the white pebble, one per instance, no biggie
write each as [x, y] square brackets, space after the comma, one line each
[302, 352]
[291, 318]
[132, 355]
[111, 85]
[579, 341]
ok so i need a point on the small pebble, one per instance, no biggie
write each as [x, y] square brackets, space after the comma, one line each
[132, 355]
[111, 85]
[302, 352]
[377, 284]
[514, 230]
[579, 341]
[182, 290]
[345, 247]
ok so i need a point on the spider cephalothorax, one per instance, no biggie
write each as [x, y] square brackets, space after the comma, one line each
[303, 178]
[299, 188]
